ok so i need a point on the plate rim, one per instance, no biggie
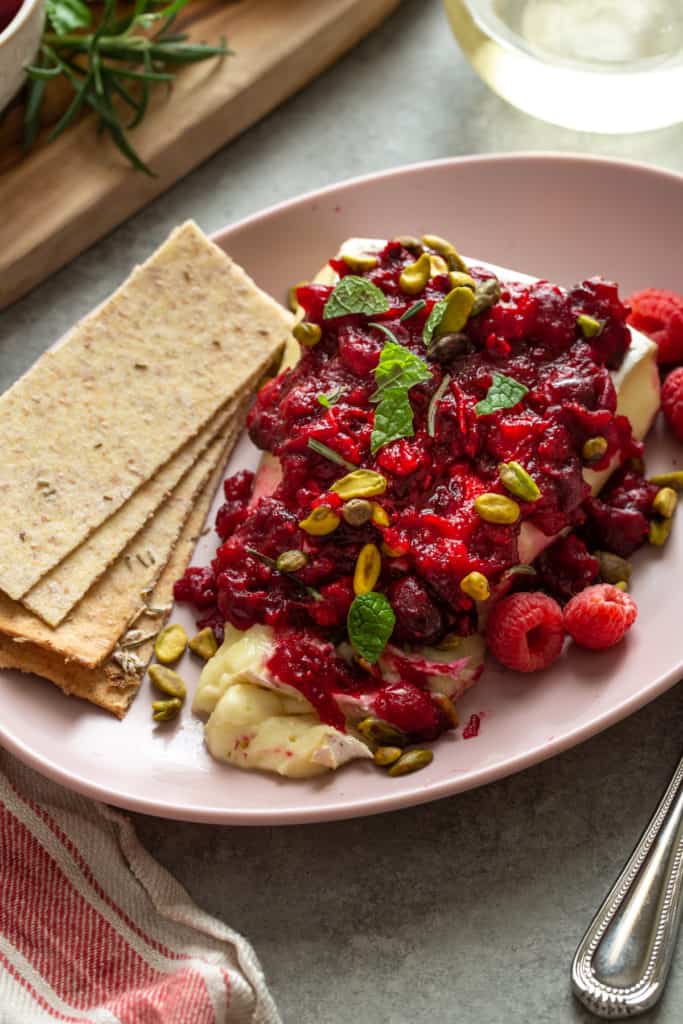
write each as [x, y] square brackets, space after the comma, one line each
[343, 809]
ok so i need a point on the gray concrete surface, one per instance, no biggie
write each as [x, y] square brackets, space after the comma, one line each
[468, 910]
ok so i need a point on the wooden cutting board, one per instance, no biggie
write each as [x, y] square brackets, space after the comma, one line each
[63, 196]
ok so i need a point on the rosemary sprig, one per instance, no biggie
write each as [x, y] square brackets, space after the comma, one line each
[272, 564]
[110, 65]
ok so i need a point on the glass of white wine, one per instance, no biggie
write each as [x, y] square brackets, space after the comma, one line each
[591, 65]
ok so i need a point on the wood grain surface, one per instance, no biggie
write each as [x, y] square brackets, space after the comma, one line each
[63, 196]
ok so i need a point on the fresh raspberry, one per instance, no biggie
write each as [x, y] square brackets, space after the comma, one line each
[659, 314]
[672, 401]
[525, 631]
[600, 616]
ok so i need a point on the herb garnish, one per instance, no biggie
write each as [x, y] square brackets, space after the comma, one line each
[272, 564]
[504, 393]
[355, 295]
[433, 405]
[330, 399]
[412, 310]
[329, 453]
[370, 623]
[116, 59]
[396, 373]
[433, 321]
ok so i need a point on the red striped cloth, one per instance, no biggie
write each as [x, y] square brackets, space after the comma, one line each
[94, 931]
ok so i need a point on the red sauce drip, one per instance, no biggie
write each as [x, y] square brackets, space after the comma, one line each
[472, 728]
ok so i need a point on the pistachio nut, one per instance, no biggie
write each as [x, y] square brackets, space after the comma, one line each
[168, 681]
[613, 568]
[459, 279]
[517, 481]
[449, 346]
[447, 707]
[384, 756]
[204, 643]
[594, 449]
[497, 508]
[411, 761]
[414, 276]
[391, 552]
[447, 250]
[367, 570]
[476, 586]
[321, 521]
[170, 644]
[450, 642]
[379, 516]
[357, 511]
[360, 483]
[307, 334]
[437, 265]
[590, 327]
[665, 502]
[659, 531]
[486, 295]
[621, 585]
[410, 243]
[673, 479]
[291, 561]
[459, 304]
[379, 733]
[293, 302]
[165, 710]
[360, 263]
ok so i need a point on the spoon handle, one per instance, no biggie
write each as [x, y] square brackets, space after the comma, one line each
[622, 962]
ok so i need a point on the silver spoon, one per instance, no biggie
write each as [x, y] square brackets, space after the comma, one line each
[622, 962]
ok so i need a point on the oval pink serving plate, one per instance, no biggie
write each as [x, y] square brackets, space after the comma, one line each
[559, 217]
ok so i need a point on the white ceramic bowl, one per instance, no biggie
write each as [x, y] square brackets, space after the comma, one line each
[18, 45]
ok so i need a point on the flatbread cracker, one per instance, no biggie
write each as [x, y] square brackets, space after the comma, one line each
[128, 387]
[108, 685]
[62, 588]
[89, 634]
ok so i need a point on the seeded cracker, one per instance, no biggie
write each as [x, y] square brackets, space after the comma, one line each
[108, 685]
[89, 634]
[153, 364]
[61, 589]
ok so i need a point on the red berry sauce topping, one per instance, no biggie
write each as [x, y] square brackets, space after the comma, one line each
[446, 452]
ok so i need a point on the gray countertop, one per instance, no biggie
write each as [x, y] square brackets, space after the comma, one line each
[466, 910]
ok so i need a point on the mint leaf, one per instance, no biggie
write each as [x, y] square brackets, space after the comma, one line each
[397, 372]
[433, 321]
[504, 393]
[355, 295]
[370, 623]
[393, 419]
[398, 367]
[66, 16]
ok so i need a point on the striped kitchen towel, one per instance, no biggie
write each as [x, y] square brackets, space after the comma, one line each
[93, 930]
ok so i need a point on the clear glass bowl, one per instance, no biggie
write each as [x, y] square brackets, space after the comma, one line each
[592, 65]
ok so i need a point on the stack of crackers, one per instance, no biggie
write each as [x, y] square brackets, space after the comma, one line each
[113, 445]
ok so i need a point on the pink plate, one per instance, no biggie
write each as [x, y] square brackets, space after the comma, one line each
[560, 217]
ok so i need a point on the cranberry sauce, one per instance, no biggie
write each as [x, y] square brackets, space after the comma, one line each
[431, 535]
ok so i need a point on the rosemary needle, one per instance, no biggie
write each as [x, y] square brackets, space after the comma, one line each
[110, 66]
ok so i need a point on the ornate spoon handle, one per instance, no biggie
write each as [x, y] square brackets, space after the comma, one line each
[623, 960]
